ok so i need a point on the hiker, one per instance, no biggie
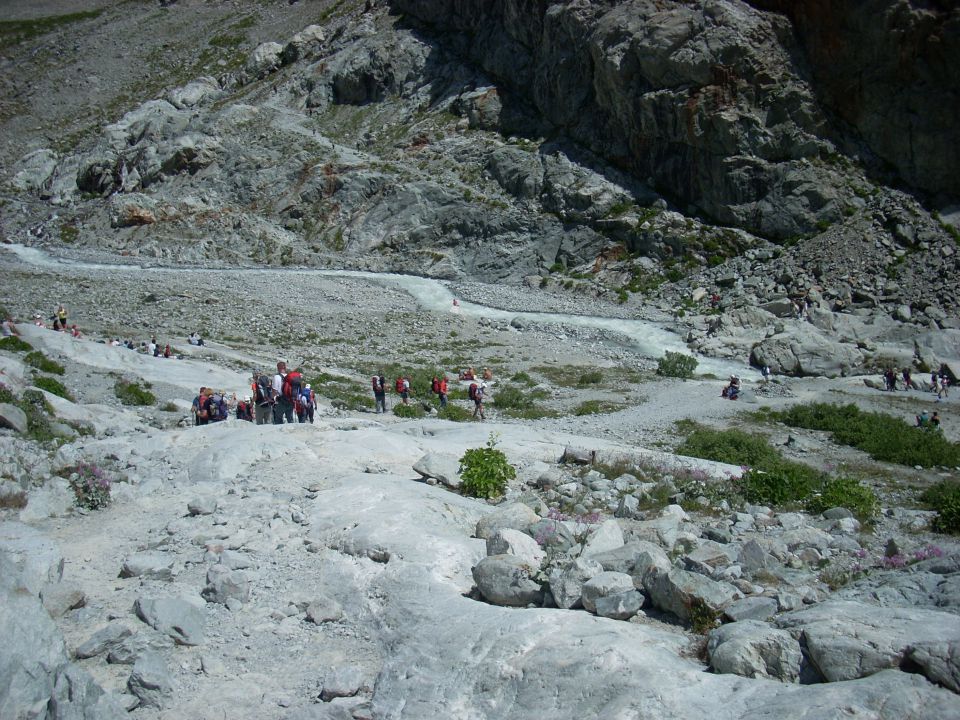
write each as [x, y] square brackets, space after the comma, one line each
[402, 386]
[9, 328]
[38, 320]
[195, 338]
[152, 348]
[890, 379]
[245, 410]
[216, 406]
[922, 419]
[306, 402]
[378, 382]
[442, 393]
[765, 372]
[732, 390]
[934, 385]
[468, 374]
[935, 422]
[74, 332]
[262, 393]
[195, 407]
[456, 306]
[166, 351]
[284, 394]
[487, 374]
[62, 317]
[155, 347]
[475, 393]
[944, 384]
[907, 381]
[206, 404]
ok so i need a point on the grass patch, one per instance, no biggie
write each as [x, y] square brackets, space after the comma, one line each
[17, 31]
[38, 412]
[594, 377]
[411, 412]
[131, 393]
[597, 407]
[518, 403]
[52, 386]
[15, 344]
[169, 407]
[881, 436]
[454, 413]
[42, 363]
[770, 479]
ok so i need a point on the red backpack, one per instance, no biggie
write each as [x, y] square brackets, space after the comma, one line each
[435, 387]
[292, 383]
[399, 385]
[472, 392]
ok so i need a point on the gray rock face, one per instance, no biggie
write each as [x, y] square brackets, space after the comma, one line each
[507, 580]
[806, 352]
[103, 640]
[620, 606]
[180, 619]
[35, 557]
[754, 649]
[607, 536]
[224, 584]
[847, 640]
[939, 661]
[343, 681]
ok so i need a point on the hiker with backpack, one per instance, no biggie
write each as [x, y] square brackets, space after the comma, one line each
[284, 393]
[263, 398]
[195, 407]
[245, 410]
[379, 385]
[402, 386]
[439, 387]
[476, 393]
[306, 402]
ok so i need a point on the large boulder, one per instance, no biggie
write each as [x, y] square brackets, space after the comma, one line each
[507, 580]
[179, 618]
[805, 351]
[566, 584]
[152, 564]
[682, 593]
[150, 681]
[754, 649]
[515, 515]
[605, 537]
[507, 541]
[13, 417]
[442, 468]
[847, 640]
[36, 559]
[602, 585]
[939, 661]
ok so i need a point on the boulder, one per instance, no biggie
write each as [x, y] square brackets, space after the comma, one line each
[342, 681]
[805, 351]
[103, 640]
[847, 640]
[224, 584]
[181, 619]
[507, 541]
[507, 580]
[566, 584]
[59, 598]
[680, 591]
[619, 606]
[443, 468]
[265, 58]
[155, 565]
[324, 609]
[751, 648]
[939, 662]
[606, 536]
[757, 607]
[13, 417]
[36, 559]
[516, 516]
[606, 583]
[205, 505]
[150, 681]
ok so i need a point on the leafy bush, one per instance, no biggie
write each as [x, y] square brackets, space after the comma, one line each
[15, 344]
[454, 413]
[944, 497]
[883, 437]
[594, 377]
[485, 471]
[734, 447]
[6, 394]
[782, 484]
[523, 379]
[131, 393]
[678, 365]
[703, 618]
[42, 363]
[847, 493]
[91, 486]
[510, 397]
[408, 411]
[52, 386]
[169, 407]
[38, 411]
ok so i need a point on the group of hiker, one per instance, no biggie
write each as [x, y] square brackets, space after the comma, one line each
[438, 386]
[928, 422]
[939, 382]
[272, 400]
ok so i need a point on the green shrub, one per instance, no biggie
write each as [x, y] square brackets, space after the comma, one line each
[596, 407]
[6, 394]
[485, 471]
[52, 386]
[944, 497]
[15, 344]
[674, 364]
[408, 411]
[42, 363]
[847, 493]
[883, 437]
[734, 447]
[131, 393]
[594, 377]
[454, 413]
[169, 407]
[38, 411]
[510, 397]
[523, 379]
[784, 484]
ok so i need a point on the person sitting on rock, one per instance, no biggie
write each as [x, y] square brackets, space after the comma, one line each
[935, 422]
[923, 419]
[487, 374]
[9, 328]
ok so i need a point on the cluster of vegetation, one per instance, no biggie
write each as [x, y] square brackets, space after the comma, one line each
[944, 497]
[17, 31]
[52, 386]
[15, 344]
[42, 363]
[770, 479]
[674, 364]
[518, 403]
[596, 407]
[38, 411]
[90, 484]
[130, 393]
[485, 472]
[881, 436]
[409, 412]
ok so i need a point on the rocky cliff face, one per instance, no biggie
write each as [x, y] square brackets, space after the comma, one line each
[499, 141]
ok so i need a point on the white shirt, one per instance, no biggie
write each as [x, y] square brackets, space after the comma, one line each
[278, 385]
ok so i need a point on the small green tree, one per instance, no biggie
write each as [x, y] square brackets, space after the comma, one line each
[674, 364]
[485, 471]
